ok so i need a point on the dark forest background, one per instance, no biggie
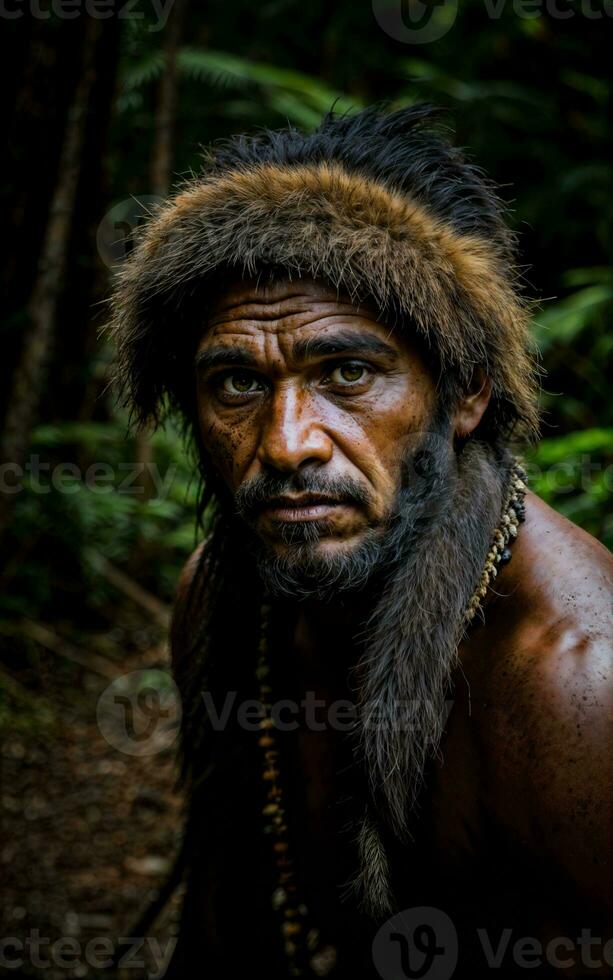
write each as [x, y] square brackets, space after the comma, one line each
[104, 116]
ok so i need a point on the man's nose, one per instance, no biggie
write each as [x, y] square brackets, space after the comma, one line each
[292, 434]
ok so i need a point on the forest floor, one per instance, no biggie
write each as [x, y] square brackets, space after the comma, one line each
[91, 815]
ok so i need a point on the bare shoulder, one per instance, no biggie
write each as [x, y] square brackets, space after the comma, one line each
[560, 561]
[559, 608]
[546, 682]
[556, 594]
[554, 609]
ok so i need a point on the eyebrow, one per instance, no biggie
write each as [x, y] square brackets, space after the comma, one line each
[212, 357]
[342, 342]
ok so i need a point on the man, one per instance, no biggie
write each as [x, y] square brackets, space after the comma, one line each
[394, 661]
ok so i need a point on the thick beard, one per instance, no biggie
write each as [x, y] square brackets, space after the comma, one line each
[442, 538]
[303, 571]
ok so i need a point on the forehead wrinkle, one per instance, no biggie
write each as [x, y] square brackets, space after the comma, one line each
[259, 309]
[291, 344]
[277, 315]
[300, 292]
[255, 329]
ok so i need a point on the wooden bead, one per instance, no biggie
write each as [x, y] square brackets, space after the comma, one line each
[279, 898]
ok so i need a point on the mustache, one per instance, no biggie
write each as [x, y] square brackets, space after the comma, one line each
[262, 490]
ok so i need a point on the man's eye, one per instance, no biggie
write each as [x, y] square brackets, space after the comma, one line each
[349, 373]
[240, 383]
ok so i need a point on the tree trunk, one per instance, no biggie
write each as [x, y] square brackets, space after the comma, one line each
[29, 376]
[161, 167]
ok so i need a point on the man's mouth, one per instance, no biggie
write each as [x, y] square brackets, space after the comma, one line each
[300, 507]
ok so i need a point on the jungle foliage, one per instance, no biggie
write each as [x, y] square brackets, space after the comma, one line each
[527, 96]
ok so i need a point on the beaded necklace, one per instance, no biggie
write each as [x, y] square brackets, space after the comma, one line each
[304, 953]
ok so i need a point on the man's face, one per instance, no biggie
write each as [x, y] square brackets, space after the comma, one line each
[306, 406]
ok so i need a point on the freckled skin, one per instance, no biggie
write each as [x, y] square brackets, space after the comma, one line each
[523, 802]
[300, 418]
[517, 827]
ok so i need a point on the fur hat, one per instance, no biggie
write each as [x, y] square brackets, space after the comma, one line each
[378, 204]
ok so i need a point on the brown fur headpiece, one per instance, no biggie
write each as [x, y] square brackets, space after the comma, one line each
[363, 231]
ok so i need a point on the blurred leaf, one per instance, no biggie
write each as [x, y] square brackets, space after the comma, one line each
[148, 69]
[561, 322]
[560, 448]
[474, 91]
[597, 88]
[309, 97]
[587, 277]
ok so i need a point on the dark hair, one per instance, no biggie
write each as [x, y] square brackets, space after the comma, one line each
[408, 149]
